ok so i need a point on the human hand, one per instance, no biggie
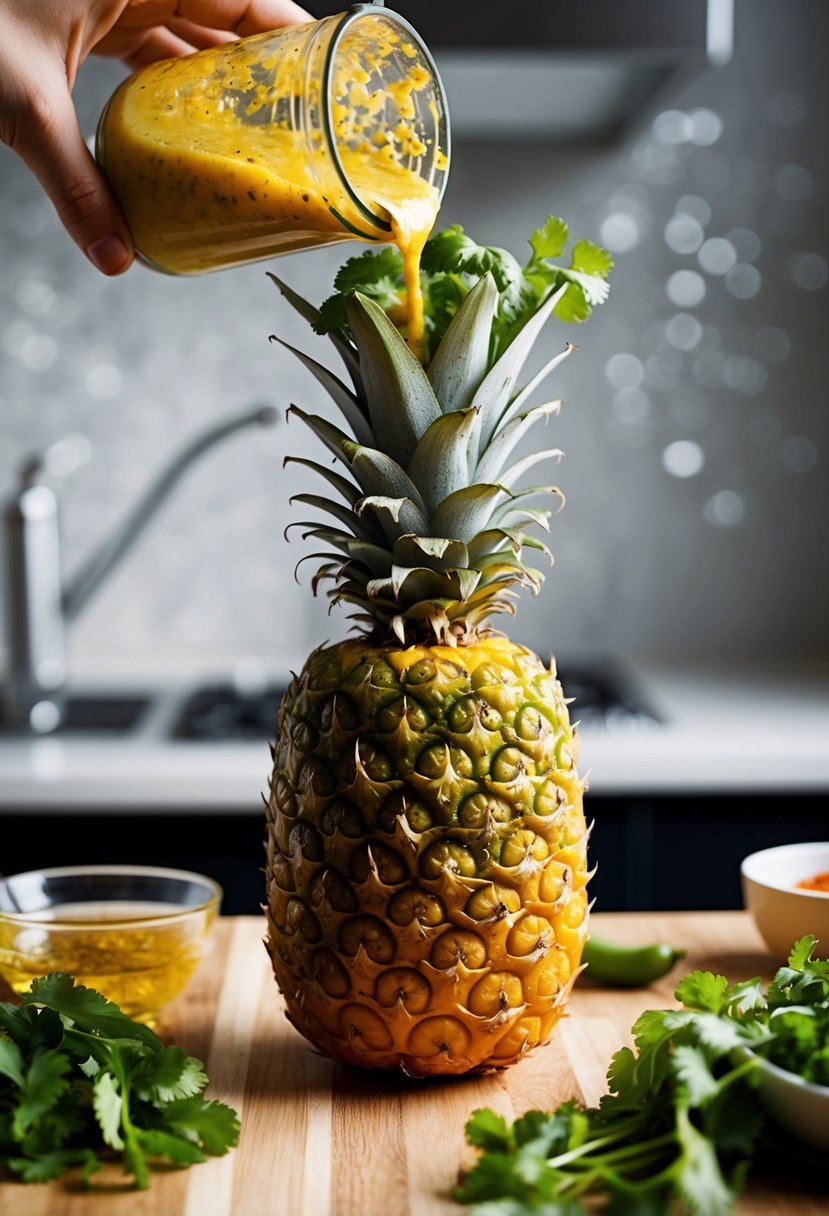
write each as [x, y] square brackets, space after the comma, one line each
[42, 45]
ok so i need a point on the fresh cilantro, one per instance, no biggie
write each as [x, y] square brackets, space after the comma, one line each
[378, 274]
[549, 240]
[79, 1080]
[451, 265]
[681, 1123]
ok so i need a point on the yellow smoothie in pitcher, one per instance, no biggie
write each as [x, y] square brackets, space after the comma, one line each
[211, 167]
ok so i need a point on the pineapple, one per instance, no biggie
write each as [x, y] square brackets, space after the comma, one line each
[427, 848]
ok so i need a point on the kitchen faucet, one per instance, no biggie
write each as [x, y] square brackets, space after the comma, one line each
[39, 606]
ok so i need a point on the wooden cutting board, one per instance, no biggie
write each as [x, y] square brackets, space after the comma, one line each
[319, 1139]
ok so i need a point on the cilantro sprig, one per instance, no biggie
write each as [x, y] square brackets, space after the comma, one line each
[451, 265]
[680, 1125]
[80, 1082]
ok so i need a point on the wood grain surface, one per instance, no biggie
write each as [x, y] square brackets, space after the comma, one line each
[320, 1139]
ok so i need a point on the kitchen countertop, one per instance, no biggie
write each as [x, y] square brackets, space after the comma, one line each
[741, 729]
[321, 1139]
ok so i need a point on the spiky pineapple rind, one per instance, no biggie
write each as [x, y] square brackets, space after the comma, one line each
[426, 865]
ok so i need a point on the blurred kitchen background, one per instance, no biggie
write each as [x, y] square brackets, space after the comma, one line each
[691, 555]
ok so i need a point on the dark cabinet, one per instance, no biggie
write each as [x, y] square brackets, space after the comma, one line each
[658, 853]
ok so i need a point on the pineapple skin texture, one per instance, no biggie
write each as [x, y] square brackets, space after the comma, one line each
[426, 855]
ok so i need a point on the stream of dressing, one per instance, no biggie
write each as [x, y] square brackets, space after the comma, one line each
[203, 187]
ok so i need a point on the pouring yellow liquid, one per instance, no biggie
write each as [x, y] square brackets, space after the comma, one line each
[208, 180]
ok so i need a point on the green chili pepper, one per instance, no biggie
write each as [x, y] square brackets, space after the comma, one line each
[627, 966]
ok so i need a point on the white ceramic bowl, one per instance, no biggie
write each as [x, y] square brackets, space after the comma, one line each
[799, 1106]
[782, 911]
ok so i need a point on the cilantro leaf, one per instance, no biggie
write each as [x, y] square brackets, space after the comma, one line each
[703, 990]
[549, 240]
[375, 266]
[86, 1008]
[699, 1179]
[214, 1125]
[43, 1083]
[590, 259]
[167, 1074]
[745, 998]
[801, 952]
[106, 1102]
[51, 1165]
[573, 305]
[487, 1130]
[177, 1149]
[718, 1035]
[375, 273]
[451, 264]
[694, 1074]
[681, 1123]
[16, 1024]
[550, 1134]
[593, 287]
[78, 1077]
[11, 1061]
[496, 1175]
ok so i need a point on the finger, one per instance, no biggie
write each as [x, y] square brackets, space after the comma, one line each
[54, 149]
[157, 43]
[198, 35]
[243, 16]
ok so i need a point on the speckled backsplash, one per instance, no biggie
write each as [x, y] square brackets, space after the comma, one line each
[695, 420]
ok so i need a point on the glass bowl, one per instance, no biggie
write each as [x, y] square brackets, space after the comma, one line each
[134, 933]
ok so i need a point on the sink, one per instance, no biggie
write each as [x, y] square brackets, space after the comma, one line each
[99, 714]
[104, 714]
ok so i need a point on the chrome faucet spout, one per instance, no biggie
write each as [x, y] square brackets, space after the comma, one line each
[101, 564]
[38, 607]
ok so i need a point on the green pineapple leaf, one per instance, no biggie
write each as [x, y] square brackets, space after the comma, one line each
[363, 526]
[305, 309]
[350, 406]
[460, 361]
[401, 401]
[342, 343]
[462, 515]
[437, 552]
[349, 492]
[529, 388]
[396, 516]
[440, 463]
[378, 473]
[333, 438]
[504, 441]
[496, 388]
[516, 471]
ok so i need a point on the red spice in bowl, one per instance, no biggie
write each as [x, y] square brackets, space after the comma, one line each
[818, 882]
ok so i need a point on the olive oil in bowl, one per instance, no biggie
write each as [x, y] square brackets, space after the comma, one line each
[140, 952]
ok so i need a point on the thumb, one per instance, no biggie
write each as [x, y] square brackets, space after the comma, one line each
[50, 142]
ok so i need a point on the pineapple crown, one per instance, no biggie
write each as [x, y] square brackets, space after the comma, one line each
[433, 520]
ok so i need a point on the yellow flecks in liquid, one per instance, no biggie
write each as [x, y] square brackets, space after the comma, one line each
[140, 965]
[212, 166]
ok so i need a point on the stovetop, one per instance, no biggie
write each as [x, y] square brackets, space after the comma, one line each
[603, 698]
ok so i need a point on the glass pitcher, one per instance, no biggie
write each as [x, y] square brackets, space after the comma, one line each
[277, 142]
